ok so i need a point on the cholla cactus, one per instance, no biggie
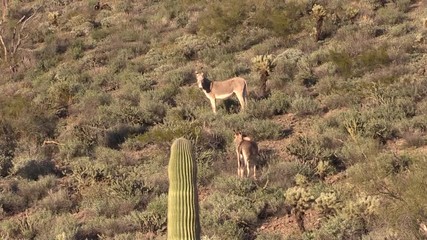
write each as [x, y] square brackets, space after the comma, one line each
[264, 65]
[300, 180]
[300, 200]
[327, 203]
[323, 168]
[319, 11]
[351, 12]
[183, 205]
[319, 14]
[363, 206]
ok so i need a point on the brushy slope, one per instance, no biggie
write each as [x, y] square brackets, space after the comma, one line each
[93, 97]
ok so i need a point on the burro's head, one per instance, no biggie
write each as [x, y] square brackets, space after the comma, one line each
[239, 137]
[200, 77]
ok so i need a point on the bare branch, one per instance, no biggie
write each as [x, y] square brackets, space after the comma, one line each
[46, 142]
[4, 47]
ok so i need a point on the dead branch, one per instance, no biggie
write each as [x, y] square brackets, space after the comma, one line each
[46, 142]
[16, 40]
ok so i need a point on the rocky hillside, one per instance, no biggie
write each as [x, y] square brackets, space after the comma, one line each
[94, 93]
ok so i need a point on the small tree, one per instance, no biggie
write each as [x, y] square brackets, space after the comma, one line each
[264, 65]
[12, 40]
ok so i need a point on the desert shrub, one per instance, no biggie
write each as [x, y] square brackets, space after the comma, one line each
[414, 139]
[380, 129]
[269, 236]
[304, 106]
[63, 226]
[371, 59]
[106, 204]
[130, 80]
[291, 64]
[280, 18]
[220, 19]
[305, 148]
[389, 14]
[401, 29]
[57, 202]
[27, 226]
[409, 193]
[263, 129]
[245, 39]
[343, 62]
[276, 103]
[153, 219]
[50, 55]
[359, 150]
[161, 134]
[77, 49]
[232, 185]
[206, 169]
[227, 215]
[281, 173]
[19, 195]
[8, 144]
[99, 34]
[191, 98]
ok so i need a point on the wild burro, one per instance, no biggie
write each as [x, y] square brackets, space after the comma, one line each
[223, 89]
[247, 154]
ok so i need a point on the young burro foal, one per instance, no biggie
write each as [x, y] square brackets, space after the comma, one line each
[247, 154]
[223, 89]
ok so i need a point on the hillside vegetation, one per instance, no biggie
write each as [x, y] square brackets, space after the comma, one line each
[92, 98]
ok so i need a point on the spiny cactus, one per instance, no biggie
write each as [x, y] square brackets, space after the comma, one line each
[318, 11]
[324, 168]
[264, 65]
[363, 206]
[183, 205]
[300, 180]
[300, 199]
[327, 203]
[319, 14]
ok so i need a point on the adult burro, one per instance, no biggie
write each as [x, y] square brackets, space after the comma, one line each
[247, 154]
[223, 89]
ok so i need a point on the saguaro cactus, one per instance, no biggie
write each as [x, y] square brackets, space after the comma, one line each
[183, 205]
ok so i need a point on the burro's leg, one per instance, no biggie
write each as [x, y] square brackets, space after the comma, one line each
[247, 163]
[213, 105]
[238, 164]
[242, 100]
[255, 172]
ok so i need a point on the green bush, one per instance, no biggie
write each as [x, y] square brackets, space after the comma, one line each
[389, 15]
[304, 106]
[154, 218]
[77, 49]
[311, 150]
[277, 103]
[57, 202]
[222, 18]
[281, 18]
